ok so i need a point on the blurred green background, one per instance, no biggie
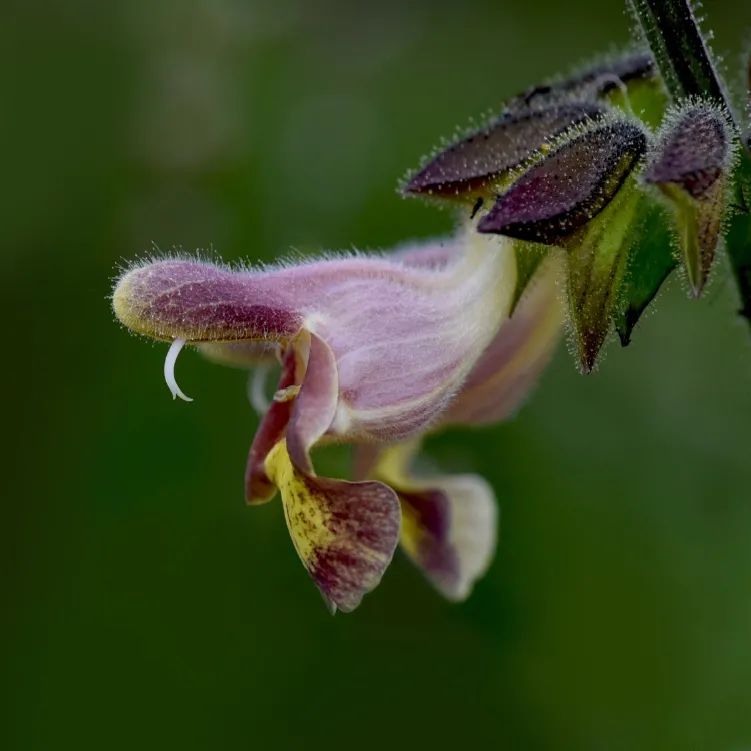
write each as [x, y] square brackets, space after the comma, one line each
[144, 606]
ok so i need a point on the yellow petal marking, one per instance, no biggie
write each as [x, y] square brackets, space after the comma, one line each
[305, 513]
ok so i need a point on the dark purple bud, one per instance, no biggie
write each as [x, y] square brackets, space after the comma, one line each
[692, 151]
[471, 164]
[690, 164]
[564, 190]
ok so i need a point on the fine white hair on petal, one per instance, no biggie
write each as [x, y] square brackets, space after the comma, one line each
[257, 389]
[169, 370]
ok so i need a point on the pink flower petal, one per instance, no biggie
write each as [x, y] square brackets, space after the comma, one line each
[509, 367]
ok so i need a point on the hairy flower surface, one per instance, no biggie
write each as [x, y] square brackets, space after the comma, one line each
[399, 337]
[373, 349]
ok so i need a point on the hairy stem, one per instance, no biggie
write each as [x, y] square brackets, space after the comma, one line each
[672, 32]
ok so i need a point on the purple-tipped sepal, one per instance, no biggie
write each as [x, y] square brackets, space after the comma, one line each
[691, 164]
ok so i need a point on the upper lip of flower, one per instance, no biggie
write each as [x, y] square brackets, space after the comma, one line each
[404, 335]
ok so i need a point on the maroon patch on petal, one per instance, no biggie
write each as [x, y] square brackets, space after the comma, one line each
[365, 519]
[435, 554]
[210, 302]
[224, 320]
[258, 487]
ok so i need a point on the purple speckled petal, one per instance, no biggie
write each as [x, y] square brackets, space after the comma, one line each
[371, 348]
[449, 531]
[345, 533]
[448, 522]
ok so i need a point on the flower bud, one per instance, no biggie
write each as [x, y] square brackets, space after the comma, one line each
[474, 165]
[690, 164]
[562, 191]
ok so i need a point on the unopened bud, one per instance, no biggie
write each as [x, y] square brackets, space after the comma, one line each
[690, 164]
[570, 186]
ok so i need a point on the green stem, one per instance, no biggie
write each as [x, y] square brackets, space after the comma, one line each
[682, 55]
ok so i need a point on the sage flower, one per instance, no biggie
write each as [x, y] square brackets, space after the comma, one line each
[449, 522]
[371, 348]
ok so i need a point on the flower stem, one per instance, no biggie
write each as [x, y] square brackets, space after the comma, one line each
[673, 34]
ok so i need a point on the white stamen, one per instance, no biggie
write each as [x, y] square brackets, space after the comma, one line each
[169, 370]
[257, 389]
